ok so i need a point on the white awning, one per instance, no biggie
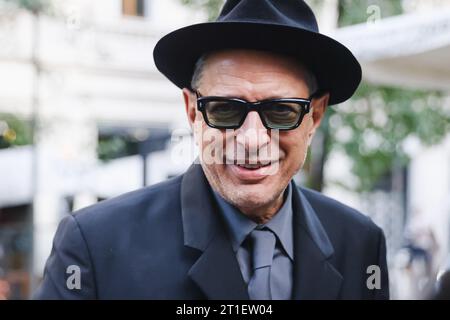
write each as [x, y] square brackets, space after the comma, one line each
[411, 50]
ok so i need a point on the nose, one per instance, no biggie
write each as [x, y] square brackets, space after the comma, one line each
[252, 136]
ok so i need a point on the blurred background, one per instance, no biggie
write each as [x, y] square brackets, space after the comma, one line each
[85, 116]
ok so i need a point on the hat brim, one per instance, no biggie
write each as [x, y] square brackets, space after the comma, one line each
[336, 69]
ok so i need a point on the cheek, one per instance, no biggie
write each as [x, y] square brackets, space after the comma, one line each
[201, 131]
[211, 144]
[295, 147]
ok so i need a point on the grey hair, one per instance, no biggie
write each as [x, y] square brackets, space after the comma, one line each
[310, 78]
[198, 71]
[311, 81]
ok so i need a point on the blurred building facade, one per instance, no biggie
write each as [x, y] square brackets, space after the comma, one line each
[85, 75]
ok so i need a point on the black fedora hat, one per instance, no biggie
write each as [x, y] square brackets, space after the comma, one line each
[281, 26]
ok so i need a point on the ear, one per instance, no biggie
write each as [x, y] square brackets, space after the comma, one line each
[319, 106]
[190, 106]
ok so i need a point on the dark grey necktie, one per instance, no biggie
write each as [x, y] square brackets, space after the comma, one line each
[263, 245]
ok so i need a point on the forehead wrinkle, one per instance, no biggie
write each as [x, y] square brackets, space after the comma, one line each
[259, 89]
[279, 66]
[250, 71]
[247, 80]
[228, 83]
[284, 66]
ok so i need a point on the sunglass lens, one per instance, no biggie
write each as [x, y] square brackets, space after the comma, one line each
[224, 114]
[282, 115]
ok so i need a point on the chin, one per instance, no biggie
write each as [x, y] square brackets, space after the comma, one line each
[241, 193]
[250, 196]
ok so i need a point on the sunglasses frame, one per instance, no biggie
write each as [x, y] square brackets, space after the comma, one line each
[252, 106]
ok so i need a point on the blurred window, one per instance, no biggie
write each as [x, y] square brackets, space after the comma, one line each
[15, 251]
[119, 141]
[133, 8]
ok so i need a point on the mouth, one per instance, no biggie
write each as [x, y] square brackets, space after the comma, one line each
[253, 166]
[253, 172]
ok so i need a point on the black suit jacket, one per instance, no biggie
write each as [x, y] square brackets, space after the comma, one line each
[168, 241]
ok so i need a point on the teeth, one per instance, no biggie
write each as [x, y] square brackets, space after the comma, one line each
[251, 166]
[248, 166]
[241, 162]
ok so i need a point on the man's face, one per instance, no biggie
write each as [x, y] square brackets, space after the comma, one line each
[253, 76]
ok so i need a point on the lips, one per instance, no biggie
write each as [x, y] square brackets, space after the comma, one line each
[253, 172]
[253, 166]
[249, 163]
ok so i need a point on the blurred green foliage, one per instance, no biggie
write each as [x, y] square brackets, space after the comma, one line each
[359, 11]
[110, 148]
[34, 6]
[116, 146]
[212, 7]
[374, 128]
[382, 119]
[14, 131]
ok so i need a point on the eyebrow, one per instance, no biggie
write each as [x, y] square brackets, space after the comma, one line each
[231, 96]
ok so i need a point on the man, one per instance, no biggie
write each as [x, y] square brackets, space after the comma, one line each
[256, 84]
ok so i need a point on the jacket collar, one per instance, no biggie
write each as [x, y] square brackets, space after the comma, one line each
[217, 272]
[314, 275]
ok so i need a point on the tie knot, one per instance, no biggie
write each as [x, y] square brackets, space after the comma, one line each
[263, 244]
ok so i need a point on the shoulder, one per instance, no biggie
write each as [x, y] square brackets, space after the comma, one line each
[338, 217]
[135, 205]
[358, 244]
[356, 239]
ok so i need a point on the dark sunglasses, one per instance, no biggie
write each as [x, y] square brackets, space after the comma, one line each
[230, 113]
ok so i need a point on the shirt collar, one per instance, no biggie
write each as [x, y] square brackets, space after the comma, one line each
[240, 226]
[281, 224]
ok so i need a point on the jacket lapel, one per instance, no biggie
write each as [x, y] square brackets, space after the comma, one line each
[314, 276]
[216, 272]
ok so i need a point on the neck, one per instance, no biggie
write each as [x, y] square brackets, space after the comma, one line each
[263, 214]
